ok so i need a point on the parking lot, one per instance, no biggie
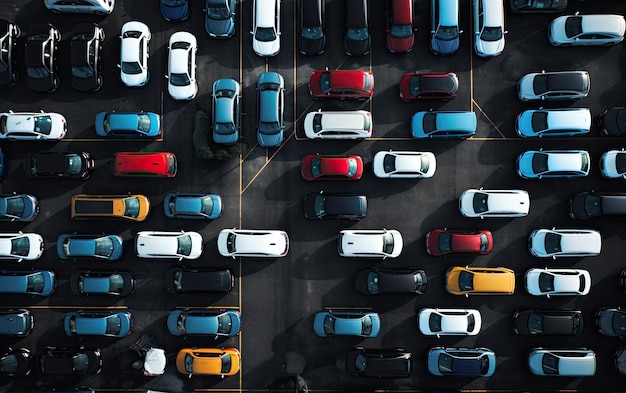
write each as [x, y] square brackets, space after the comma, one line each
[263, 189]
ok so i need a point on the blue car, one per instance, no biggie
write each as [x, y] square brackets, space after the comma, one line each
[128, 125]
[15, 322]
[553, 164]
[18, 207]
[98, 323]
[461, 362]
[74, 246]
[219, 323]
[270, 107]
[193, 205]
[175, 10]
[31, 282]
[226, 111]
[346, 323]
[220, 18]
[444, 28]
[443, 124]
[85, 283]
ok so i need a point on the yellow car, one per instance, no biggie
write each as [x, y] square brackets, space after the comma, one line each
[480, 281]
[208, 361]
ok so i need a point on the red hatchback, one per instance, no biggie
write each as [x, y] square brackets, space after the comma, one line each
[317, 167]
[428, 86]
[445, 241]
[400, 37]
[342, 84]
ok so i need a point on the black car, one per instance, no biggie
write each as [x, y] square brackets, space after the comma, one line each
[311, 26]
[378, 363]
[181, 280]
[86, 56]
[77, 361]
[613, 121]
[620, 360]
[15, 362]
[538, 5]
[548, 322]
[85, 282]
[611, 321]
[326, 206]
[586, 205]
[67, 165]
[40, 57]
[357, 40]
[9, 33]
[377, 280]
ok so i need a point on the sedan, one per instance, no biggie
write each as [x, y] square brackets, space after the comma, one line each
[16, 322]
[443, 124]
[613, 121]
[342, 84]
[584, 30]
[380, 280]
[66, 165]
[488, 27]
[221, 362]
[553, 164]
[379, 362]
[98, 323]
[86, 56]
[400, 26]
[552, 86]
[428, 86]
[580, 362]
[32, 126]
[440, 242]
[557, 282]
[346, 323]
[461, 362]
[494, 203]
[523, 6]
[134, 53]
[218, 323]
[216, 280]
[611, 321]
[189, 205]
[160, 244]
[128, 124]
[21, 246]
[553, 122]
[9, 34]
[15, 362]
[70, 361]
[613, 164]
[40, 53]
[331, 167]
[270, 87]
[220, 18]
[98, 246]
[175, 10]
[181, 66]
[555, 243]
[226, 111]
[86, 282]
[533, 322]
[449, 322]
[585, 205]
[404, 164]
[322, 206]
[18, 207]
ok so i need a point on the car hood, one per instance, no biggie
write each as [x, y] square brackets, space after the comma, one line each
[444, 47]
[266, 48]
[312, 47]
[489, 48]
[220, 28]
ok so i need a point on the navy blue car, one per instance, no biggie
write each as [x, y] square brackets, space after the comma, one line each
[99, 246]
[175, 10]
[220, 18]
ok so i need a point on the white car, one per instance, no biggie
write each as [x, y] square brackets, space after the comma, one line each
[557, 282]
[554, 243]
[98, 7]
[579, 362]
[579, 30]
[404, 164]
[266, 27]
[449, 322]
[494, 203]
[370, 243]
[32, 126]
[160, 244]
[181, 66]
[21, 246]
[488, 27]
[253, 243]
[338, 124]
[613, 164]
[134, 54]
[553, 122]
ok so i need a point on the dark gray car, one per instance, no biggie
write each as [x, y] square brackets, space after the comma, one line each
[328, 206]
[611, 321]
[357, 39]
[220, 18]
[548, 322]
[378, 363]
[311, 27]
[181, 280]
[384, 280]
[586, 205]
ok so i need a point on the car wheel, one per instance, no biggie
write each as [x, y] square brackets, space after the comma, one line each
[55, 84]
[18, 31]
[98, 84]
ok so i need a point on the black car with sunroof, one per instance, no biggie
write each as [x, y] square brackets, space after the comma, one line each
[40, 53]
[9, 33]
[86, 56]
[70, 361]
[55, 164]
[378, 280]
[586, 205]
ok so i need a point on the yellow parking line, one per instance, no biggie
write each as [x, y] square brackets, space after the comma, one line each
[488, 119]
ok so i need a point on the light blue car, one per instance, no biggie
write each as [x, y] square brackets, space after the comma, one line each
[443, 124]
[346, 323]
[553, 122]
[218, 323]
[99, 246]
[444, 25]
[128, 125]
[193, 205]
[270, 101]
[226, 111]
[98, 323]
[461, 362]
[553, 164]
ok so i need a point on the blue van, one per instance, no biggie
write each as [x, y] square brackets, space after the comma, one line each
[444, 31]
[32, 282]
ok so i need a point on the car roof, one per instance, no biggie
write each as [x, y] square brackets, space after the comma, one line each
[270, 242]
[52, 162]
[91, 325]
[158, 245]
[81, 246]
[265, 13]
[402, 11]
[508, 202]
[493, 280]
[13, 284]
[566, 81]
[613, 204]
[357, 13]
[355, 242]
[205, 280]
[456, 120]
[96, 284]
[601, 23]
[564, 161]
[493, 11]
[454, 323]
[448, 13]
[569, 118]
[188, 203]
[197, 324]
[351, 79]
[389, 282]
[567, 283]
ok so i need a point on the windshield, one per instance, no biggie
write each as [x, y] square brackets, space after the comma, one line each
[104, 247]
[20, 246]
[265, 34]
[131, 207]
[491, 34]
[447, 33]
[74, 164]
[312, 33]
[131, 67]
[357, 34]
[184, 245]
[401, 31]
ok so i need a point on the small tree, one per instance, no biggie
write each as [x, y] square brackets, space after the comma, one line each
[203, 144]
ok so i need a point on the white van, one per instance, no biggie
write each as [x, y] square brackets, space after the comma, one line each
[98, 7]
[488, 27]
[338, 125]
[266, 27]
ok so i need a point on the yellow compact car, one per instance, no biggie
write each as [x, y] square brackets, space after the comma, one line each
[480, 281]
[208, 361]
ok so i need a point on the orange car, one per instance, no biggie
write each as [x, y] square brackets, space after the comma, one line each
[208, 361]
[480, 281]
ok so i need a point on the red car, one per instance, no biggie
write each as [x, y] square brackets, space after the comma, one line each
[428, 86]
[400, 37]
[317, 167]
[342, 84]
[446, 241]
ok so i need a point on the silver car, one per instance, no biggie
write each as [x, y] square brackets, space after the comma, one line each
[580, 362]
[552, 86]
[579, 30]
[553, 122]
[555, 243]
[494, 203]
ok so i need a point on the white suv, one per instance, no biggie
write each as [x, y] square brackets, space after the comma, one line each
[553, 243]
[253, 243]
[372, 243]
[180, 245]
[266, 27]
[488, 27]
[494, 203]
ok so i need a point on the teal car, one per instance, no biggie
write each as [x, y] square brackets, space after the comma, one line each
[99, 246]
[218, 323]
[128, 125]
[31, 282]
[270, 107]
[98, 323]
